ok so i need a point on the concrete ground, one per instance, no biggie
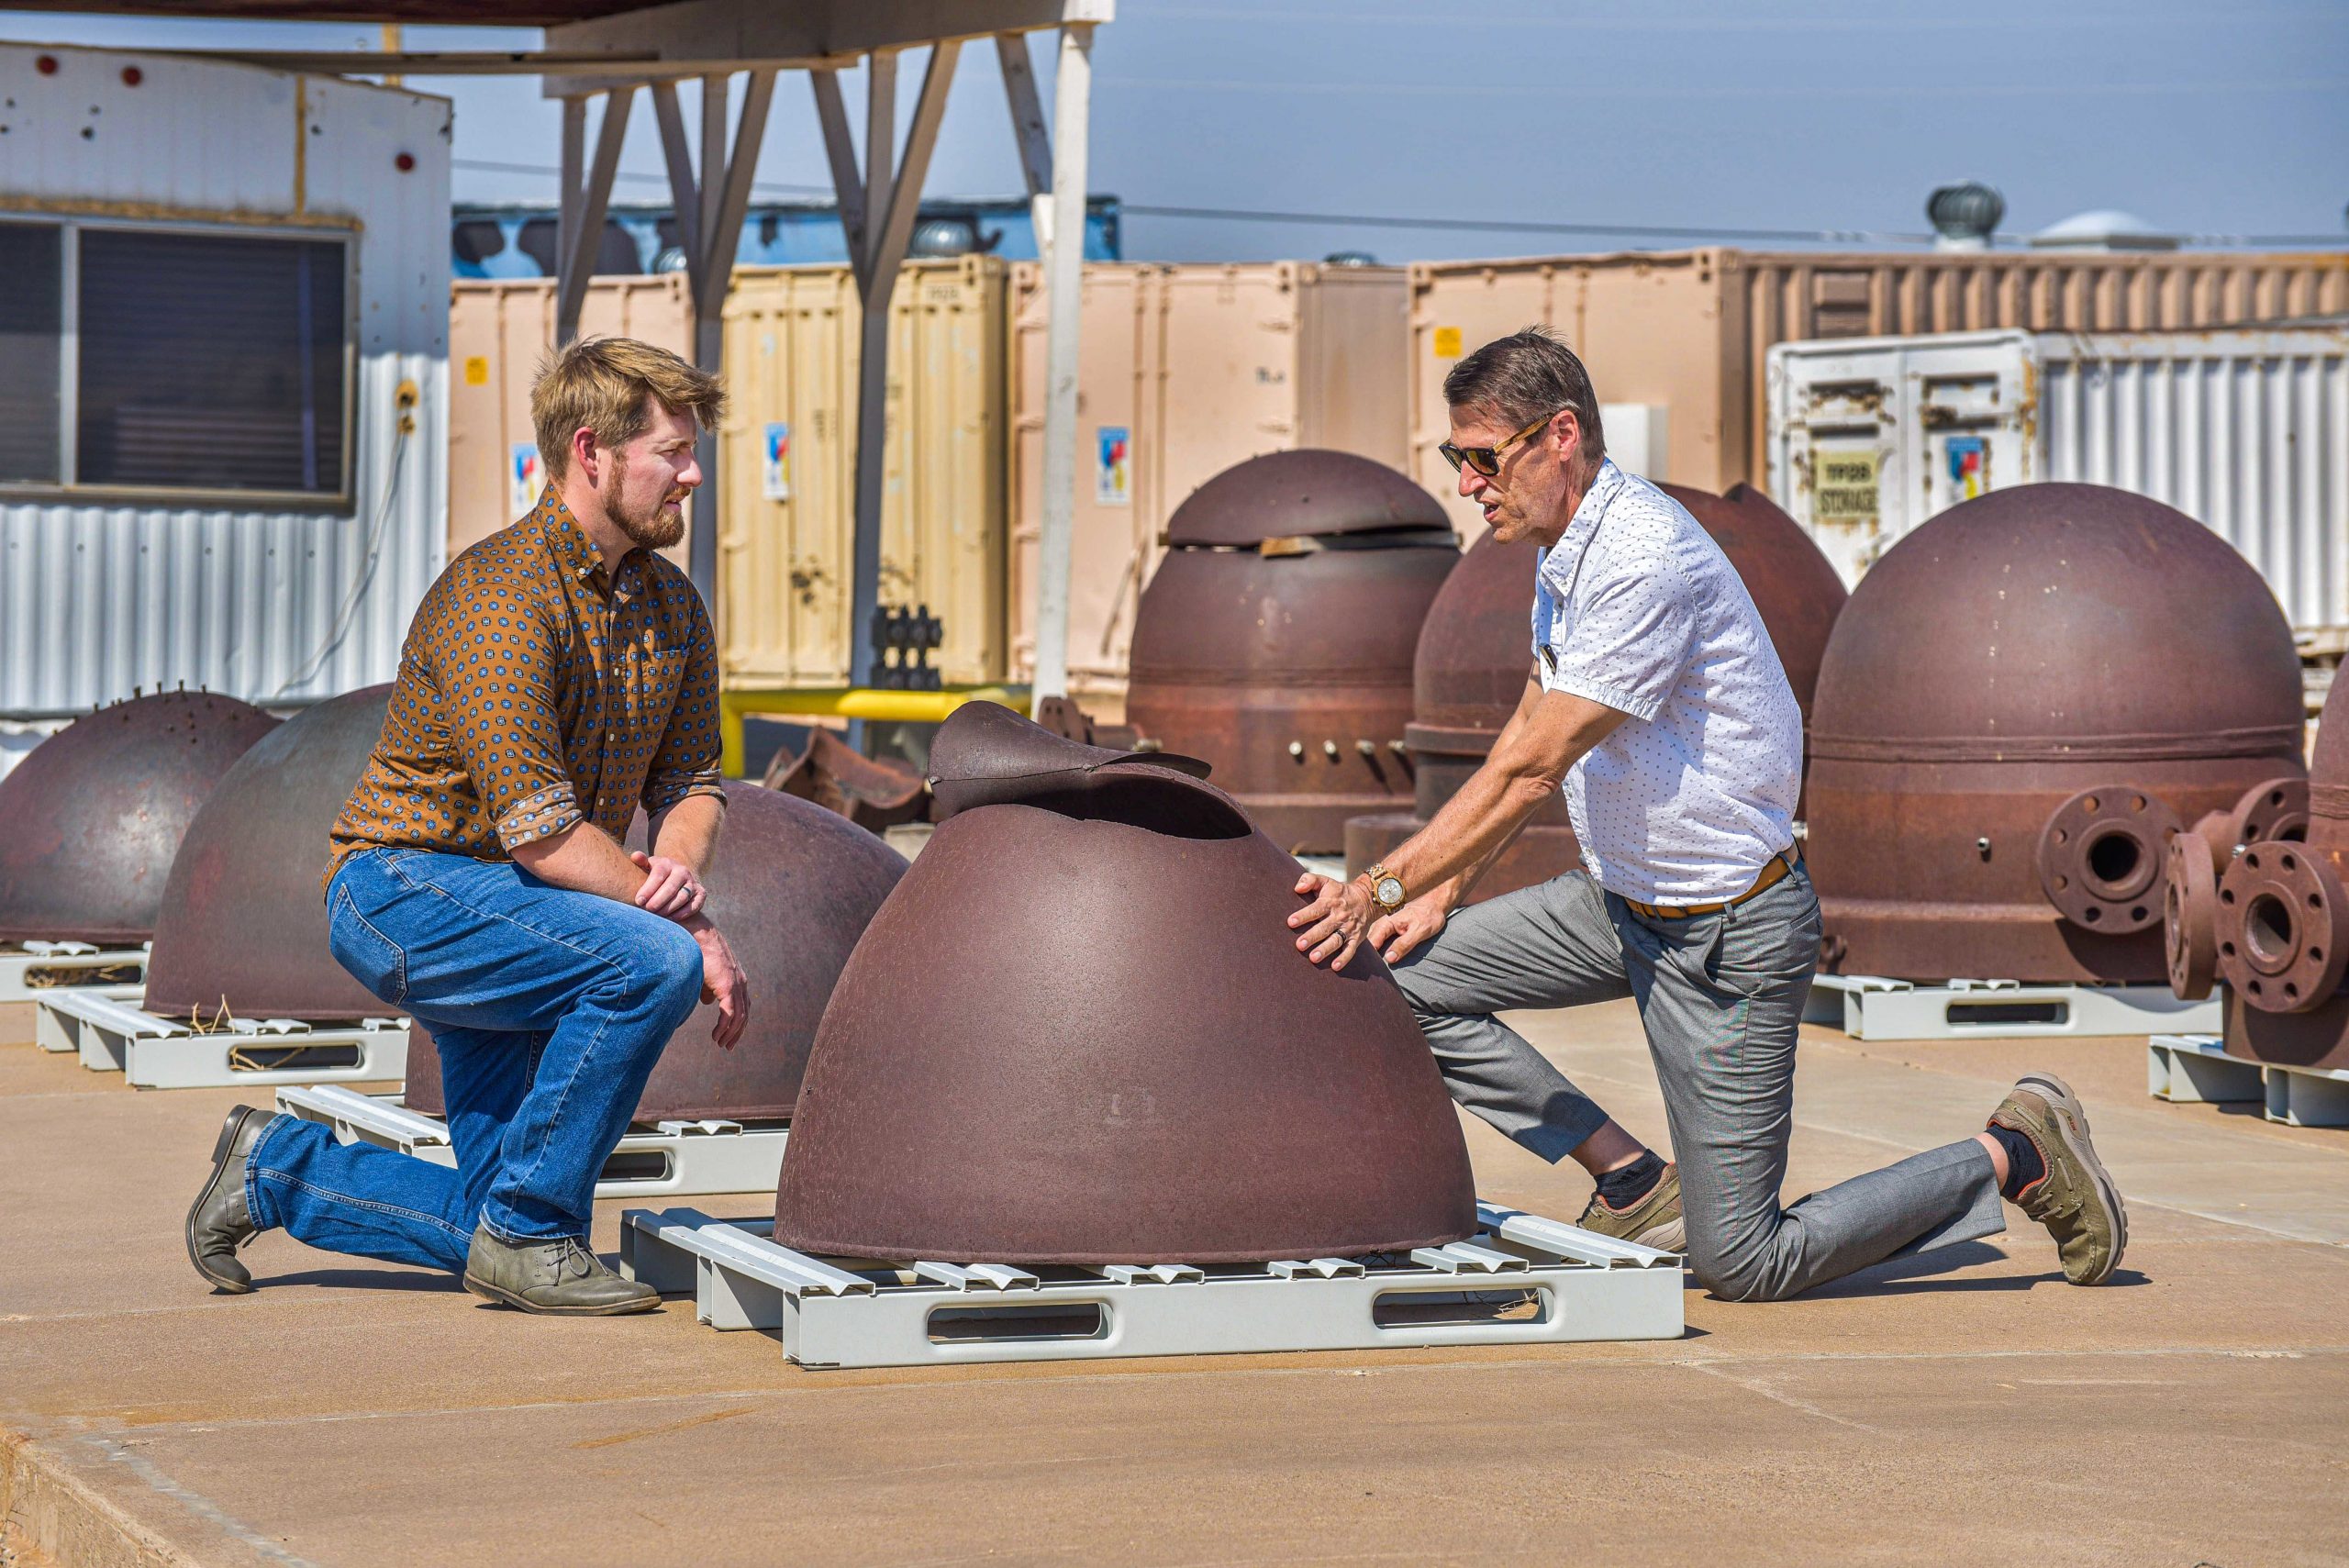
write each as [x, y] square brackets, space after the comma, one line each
[1967, 1406]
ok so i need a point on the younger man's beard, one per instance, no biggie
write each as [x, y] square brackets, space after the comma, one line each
[658, 527]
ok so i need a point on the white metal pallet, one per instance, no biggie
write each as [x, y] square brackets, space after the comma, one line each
[1522, 1280]
[113, 1036]
[669, 1159]
[2194, 1069]
[67, 965]
[1867, 1008]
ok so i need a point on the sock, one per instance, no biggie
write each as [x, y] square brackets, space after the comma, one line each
[2023, 1164]
[1619, 1189]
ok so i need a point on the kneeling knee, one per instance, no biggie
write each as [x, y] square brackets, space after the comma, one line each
[673, 969]
[1734, 1279]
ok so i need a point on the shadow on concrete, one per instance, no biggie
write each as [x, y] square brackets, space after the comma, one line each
[1920, 1274]
[388, 1278]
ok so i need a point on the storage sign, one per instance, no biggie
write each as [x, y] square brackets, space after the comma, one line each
[1846, 489]
[1113, 466]
[524, 479]
[774, 465]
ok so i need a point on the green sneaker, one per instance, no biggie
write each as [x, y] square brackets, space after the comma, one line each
[2075, 1199]
[1653, 1221]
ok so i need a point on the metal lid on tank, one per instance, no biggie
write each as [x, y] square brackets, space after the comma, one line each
[1307, 495]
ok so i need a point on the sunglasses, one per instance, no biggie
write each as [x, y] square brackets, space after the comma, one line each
[1487, 461]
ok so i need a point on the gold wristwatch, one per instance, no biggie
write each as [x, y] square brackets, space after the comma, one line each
[1386, 888]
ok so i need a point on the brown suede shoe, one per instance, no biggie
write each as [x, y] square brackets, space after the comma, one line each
[1653, 1221]
[560, 1278]
[2075, 1199]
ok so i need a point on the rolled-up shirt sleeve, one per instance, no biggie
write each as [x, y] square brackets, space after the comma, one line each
[686, 761]
[1626, 645]
[496, 668]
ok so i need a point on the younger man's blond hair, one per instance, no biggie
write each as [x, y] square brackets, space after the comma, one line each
[604, 385]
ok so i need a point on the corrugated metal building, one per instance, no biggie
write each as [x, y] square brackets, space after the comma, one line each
[223, 430]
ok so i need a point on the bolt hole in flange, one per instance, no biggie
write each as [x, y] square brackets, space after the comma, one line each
[2278, 947]
[2099, 855]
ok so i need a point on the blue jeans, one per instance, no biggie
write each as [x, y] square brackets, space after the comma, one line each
[550, 1008]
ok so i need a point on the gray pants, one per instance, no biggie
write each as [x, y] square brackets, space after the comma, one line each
[1719, 996]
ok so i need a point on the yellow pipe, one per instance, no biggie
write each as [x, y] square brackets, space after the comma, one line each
[850, 702]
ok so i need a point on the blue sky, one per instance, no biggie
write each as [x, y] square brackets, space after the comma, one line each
[1811, 114]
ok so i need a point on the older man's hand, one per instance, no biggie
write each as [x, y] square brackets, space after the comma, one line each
[1334, 924]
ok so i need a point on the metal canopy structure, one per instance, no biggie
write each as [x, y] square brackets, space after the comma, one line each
[610, 50]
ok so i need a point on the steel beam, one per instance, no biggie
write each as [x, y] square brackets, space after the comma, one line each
[685, 192]
[848, 185]
[1028, 131]
[1063, 280]
[582, 235]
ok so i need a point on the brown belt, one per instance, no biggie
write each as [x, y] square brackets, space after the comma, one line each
[1772, 874]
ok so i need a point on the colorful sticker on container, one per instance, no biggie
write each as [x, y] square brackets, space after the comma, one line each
[523, 478]
[1113, 467]
[476, 369]
[1846, 489]
[1447, 342]
[1969, 467]
[775, 467]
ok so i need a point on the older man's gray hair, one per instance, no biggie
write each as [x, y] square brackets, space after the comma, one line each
[1529, 376]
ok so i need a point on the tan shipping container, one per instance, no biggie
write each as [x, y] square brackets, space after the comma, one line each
[1185, 370]
[788, 466]
[498, 331]
[1687, 331]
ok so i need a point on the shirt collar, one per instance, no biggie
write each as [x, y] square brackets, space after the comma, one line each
[573, 551]
[1604, 486]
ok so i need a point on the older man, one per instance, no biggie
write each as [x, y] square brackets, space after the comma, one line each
[1658, 704]
[557, 676]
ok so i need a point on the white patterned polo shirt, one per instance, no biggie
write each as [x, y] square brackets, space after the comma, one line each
[1636, 607]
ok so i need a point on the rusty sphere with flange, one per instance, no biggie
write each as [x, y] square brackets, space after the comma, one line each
[2023, 701]
[94, 814]
[1275, 639]
[1474, 656]
[793, 888]
[244, 918]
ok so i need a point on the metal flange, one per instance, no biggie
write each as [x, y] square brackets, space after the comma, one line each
[2281, 945]
[2191, 917]
[2100, 855]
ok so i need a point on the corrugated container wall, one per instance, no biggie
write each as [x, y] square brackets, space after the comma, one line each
[498, 333]
[272, 601]
[1690, 330]
[1185, 371]
[789, 453]
[2247, 431]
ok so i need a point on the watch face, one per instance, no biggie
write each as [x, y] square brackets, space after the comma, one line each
[1391, 889]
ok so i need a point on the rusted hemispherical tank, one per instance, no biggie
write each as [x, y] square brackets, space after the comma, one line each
[2024, 698]
[2255, 899]
[244, 918]
[1079, 1032]
[794, 888]
[1475, 655]
[1275, 639]
[94, 813]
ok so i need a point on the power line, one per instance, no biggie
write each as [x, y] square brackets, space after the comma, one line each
[1507, 225]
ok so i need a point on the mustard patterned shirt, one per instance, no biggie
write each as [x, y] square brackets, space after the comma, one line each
[538, 690]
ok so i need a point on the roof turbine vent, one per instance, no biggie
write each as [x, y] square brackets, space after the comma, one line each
[1964, 216]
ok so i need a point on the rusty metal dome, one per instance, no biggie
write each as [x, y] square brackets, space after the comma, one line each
[95, 813]
[1275, 639]
[1079, 1032]
[2023, 699]
[794, 888]
[244, 918]
[1474, 657]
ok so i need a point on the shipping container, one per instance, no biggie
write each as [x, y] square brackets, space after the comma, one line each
[224, 428]
[788, 457]
[1183, 371]
[499, 333]
[2246, 430]
[1687, 332]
